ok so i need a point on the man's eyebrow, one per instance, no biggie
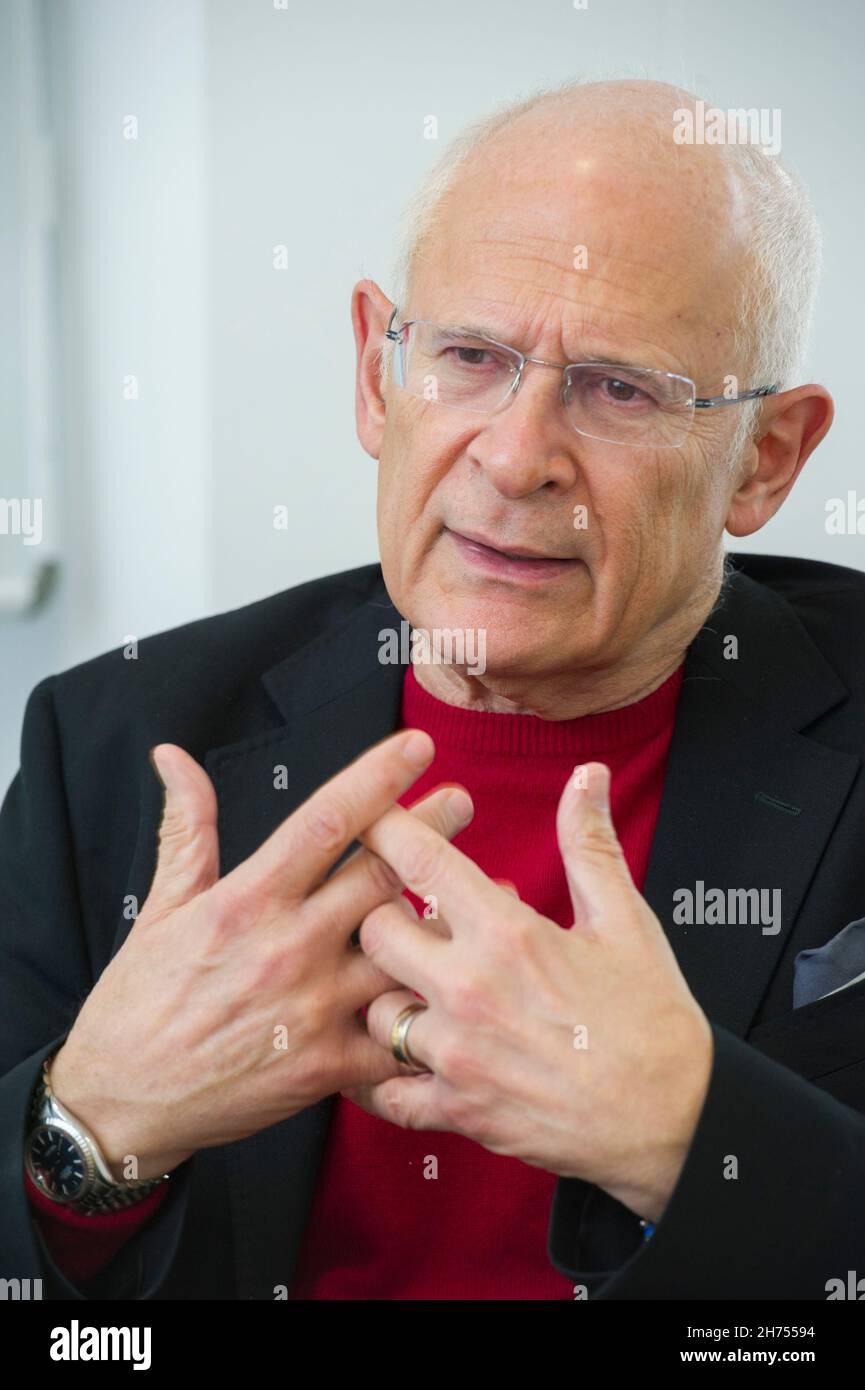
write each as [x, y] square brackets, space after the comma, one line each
[473, 330]
[470, 330]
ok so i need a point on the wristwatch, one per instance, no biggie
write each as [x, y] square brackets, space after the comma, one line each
[66, 1163]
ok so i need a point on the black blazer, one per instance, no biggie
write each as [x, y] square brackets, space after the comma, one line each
[764, 788]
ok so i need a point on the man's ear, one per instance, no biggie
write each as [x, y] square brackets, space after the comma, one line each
[792, 424]
[370, 311]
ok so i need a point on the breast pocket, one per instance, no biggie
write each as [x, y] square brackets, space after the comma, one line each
[824, 1042]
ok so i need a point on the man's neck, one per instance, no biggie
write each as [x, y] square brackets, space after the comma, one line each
[563, 696]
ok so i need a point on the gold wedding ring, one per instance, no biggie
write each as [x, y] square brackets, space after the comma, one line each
[399, 1035]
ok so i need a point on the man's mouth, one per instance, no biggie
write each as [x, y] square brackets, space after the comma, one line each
[516, 562]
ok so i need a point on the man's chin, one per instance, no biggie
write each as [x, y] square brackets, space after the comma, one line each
[467, 641]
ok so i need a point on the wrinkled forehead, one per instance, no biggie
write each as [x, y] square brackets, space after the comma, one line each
[590, 251]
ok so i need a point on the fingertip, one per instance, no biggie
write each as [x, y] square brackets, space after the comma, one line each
[593, 779]
[418, 748]
[598, 788]
[154, 763]
[461, 805]
[453, 799]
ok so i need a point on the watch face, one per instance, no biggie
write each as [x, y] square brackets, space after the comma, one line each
[58, 1162]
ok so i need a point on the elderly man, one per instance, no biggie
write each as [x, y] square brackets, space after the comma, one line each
[342, 1030]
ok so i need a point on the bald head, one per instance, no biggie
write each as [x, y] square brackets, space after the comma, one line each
[702, 210]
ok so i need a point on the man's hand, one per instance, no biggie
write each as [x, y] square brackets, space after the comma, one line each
[235, 1002]
[582, 1052]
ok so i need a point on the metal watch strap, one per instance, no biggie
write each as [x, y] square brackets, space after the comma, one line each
[105, 1193]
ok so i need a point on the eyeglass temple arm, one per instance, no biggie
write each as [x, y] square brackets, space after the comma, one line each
[735, 400]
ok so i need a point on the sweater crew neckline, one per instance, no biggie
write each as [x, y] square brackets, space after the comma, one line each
[520, 735]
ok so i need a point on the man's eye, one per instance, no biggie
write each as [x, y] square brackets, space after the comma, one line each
[617, 390]
[468, 356]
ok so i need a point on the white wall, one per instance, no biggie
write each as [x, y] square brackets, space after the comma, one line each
[130, 517]
[304, 127]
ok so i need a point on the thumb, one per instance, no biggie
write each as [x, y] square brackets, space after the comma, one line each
[188, 852]
[598, 877]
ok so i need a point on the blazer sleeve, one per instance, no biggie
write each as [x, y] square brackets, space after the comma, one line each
[84, 1245]
[769, 1203]
[45, 976]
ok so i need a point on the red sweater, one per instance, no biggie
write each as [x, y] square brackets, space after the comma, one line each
[380, 1225]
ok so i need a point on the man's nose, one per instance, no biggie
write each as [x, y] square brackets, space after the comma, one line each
[529, 444]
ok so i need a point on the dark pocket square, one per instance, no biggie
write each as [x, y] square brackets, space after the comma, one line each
[823, 969]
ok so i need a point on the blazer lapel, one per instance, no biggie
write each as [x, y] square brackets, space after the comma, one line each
[748, 801]
[337, 699]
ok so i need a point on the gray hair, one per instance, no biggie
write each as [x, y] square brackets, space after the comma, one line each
[777, 291]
